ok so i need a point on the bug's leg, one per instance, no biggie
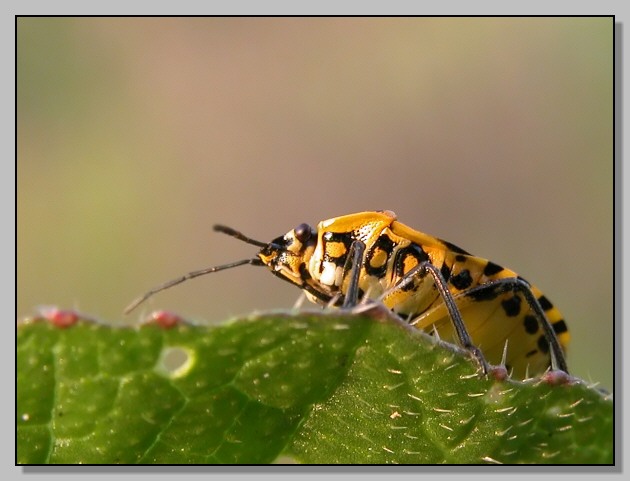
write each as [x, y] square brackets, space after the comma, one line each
[365, 299]
[352, 268]
[463, 336]
[299, 302]
[333, 301]
[513, 284]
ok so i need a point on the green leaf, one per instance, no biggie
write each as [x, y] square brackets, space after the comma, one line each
[308, 388]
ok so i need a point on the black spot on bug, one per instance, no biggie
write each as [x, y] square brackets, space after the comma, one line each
[304, 273]
[543, 344]
[560, 326]
[411, 285]
[462, 280]
[337, 237]
[544, 303]
[410, 252]
[342, 237]
[383, 243]
[492, 269]
[276, 245]
[531, 353]
[460, 258]
[531, 324]
[484, 293]
[511, 306]
[445, 271]
[454, 248]
[340, 262]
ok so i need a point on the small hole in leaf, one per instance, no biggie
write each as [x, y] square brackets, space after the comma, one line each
[175, 361]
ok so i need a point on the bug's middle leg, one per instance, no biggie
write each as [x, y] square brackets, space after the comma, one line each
[461, 332]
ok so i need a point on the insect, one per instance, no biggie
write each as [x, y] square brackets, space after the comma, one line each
[431, 283]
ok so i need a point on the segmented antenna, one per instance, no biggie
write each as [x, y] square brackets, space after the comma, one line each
[208, 270]
[256, 261]
[239, 235]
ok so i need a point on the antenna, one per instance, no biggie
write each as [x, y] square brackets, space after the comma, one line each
[208, 270]
[234, 233]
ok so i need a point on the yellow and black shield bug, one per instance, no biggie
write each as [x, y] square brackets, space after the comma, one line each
[431, 283]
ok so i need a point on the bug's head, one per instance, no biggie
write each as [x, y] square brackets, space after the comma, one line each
[287, 256]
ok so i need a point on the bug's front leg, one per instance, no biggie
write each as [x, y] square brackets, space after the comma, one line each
[352, 269]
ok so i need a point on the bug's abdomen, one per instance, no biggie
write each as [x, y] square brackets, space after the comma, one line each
[495, 314]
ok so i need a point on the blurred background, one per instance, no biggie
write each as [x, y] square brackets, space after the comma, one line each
[136, 135]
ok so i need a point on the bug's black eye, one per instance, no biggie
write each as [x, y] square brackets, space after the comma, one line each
[303, 232]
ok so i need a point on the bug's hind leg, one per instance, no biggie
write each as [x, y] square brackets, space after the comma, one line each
[514, 284]
[463, 337]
